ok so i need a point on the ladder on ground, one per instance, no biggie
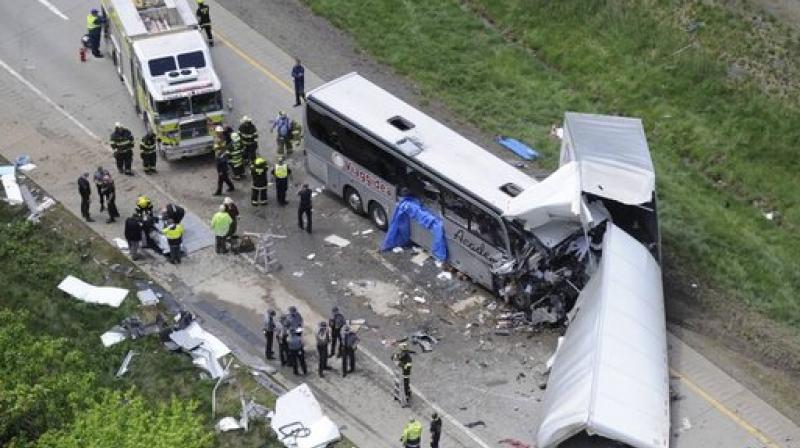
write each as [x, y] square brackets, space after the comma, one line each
[264, 258]
[399, 391]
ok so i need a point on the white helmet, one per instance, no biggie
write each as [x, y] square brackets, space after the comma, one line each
[219, 129]
[245, 119]
[235, 136]
[118, 125]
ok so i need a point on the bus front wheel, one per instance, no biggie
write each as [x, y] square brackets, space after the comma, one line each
[378, 216]
[354, 200]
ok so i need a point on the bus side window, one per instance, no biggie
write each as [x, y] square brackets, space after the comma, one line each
[323, 128]
[455, 209]
[486, 226]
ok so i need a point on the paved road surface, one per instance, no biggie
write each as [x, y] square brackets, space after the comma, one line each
[57, 110]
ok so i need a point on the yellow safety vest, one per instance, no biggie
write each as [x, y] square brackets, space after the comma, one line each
[173, 234]
[90, 22]
[412, 431]
[281, 171]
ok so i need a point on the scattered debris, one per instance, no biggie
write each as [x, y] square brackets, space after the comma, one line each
[502, 332]
[419, 299]
[297, 273]
[367, 232]
[420, 258]
[311, 256]
[121, 244]
[474, 424]
[519, 148]
[397, 250]
[337, 241]
[125, 363]
[541, 316]
[28, 167]
[102, 295]
[424, 340]
[298, 421]
[469, 302]
[120, 269]
[206, 349]
[514, 443]
[685, 425]
[147, 297]
[444, 275]
[334, 283]
[113, 336]
[227, 424]
[9, 180]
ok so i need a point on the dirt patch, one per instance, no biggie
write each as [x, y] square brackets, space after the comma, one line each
[383, 297]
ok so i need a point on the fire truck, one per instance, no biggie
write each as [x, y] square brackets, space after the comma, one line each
[165, 64]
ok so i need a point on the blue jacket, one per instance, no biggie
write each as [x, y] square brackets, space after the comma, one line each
[298, 74]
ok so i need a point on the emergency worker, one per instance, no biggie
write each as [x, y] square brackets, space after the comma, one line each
[404, 362]
[349, 350]
[236, 156]
[249, 135]
[283, 125]
[94, 27]
[174, 234]
[281, 173]
[270, 325]
[147, 146]
[222, 173]
[259, 173]
[204, 20]
[412, 434]
[323, 337]
[336, 323]
[122, 144]
[297, 353]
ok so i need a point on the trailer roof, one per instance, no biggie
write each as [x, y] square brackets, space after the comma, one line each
[444, 151]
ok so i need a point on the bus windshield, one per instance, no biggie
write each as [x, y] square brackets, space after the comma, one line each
[207, 102]
[170, 109]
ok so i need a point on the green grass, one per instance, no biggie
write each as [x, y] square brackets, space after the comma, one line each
[42, 256]
[725, 148]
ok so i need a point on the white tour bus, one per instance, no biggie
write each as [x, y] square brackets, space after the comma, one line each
[523, 239]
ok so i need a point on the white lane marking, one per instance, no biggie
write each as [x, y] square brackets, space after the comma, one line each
[47, 100]
[372, 357]
[52, 8]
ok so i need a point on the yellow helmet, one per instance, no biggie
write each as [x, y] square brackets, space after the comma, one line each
[143, 201]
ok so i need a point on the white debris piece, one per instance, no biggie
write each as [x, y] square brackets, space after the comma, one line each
[147, 297]
[397, 250]
[210, 342]
[337, 241]
[311, 256]
[125, 363]
[334, 282]
[420, 258]
[227, 424]
[9, 180]
[113, 336]
[298, 421]
[102, 295]
[367, 232]
[444, 275]
[685, 425]
[297, 273]
[419, 299]
[27, 167]
[438, 264]
[121, 244]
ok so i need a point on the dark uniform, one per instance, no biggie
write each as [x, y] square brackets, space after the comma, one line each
[249, 137]
[148, 148]
[323, 337]
[85, 190]
[281, 173]
[299, 78]
[98, 177]
[110, 193]
[297, 354]
[350, 345]
[144, 210]
[436, 430]
[204, 20]
[404, 362]
[336, 322]
[174, 212]
[259, 173]
[304, 209]
[222, 173]
[236, 157]
[94, 28]
[269, 333]
[122, 144]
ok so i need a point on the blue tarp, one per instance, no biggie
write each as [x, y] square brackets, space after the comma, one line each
[519, 148]
[399, 233]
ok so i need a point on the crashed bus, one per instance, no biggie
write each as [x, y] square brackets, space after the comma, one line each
[165, 64]
[583, 244]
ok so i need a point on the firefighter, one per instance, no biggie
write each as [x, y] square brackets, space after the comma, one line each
[219, 140]
[281, 173]
[110, 193]
[284, 127]
[94, 27]
[222, 173]
[85, 190]
[174, 234]
[403, 359]
[323, 337]
[249, 135]
[259, 173]
[436, 430]
[98, 177]
[148, 149]
[204, 20]
[144, 210]
[236, 156]
[122, 144]
[412, 434]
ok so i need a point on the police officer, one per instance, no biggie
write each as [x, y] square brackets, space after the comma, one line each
[270, 325]
[304, 208]
[148, 152]
[85, 190]
[222, 173]
[204, 20]
[436, 430]
[236, 156]
[98, 177]
[294, 318]
[249, 135]
[283, 340]
[110, 193]
[336, 322]
[297, 353]
[174, 234]
[323, 337]
[122, 144]
[412, 434]
[403, 360]
[259, 173]
[94, 26]
[350, 340]
[281, 173]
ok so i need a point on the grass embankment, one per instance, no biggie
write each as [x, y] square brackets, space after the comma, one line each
[723, 138]
[57, 381]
